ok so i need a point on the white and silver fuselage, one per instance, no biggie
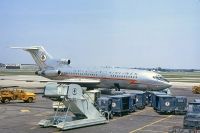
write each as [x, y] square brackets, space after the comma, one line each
[109, 77]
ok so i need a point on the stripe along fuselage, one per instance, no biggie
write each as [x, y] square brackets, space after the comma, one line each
[112, 77]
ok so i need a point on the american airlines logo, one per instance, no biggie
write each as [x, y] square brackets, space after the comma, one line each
[43, 57]
[132, 81]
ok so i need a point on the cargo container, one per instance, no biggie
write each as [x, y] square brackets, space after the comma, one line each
[153, 97]
[192, 117]
[120, 104]
[104, 105]
[165, 104]
[140, 99]
[132, 102]
[181, 105]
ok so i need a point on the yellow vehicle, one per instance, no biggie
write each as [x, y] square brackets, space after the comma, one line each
[196, 89]
[8, 94]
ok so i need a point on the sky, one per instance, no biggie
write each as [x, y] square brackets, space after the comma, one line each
[131, 33]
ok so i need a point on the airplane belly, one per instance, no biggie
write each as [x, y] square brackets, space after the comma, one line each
[111, 84]
[106, 84]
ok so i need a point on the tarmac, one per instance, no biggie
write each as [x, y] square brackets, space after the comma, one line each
[19, 117]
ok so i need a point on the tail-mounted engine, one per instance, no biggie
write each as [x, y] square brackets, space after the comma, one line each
[49, 73]
[65, 61]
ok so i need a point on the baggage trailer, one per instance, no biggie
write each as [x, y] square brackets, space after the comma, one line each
[165, 104]
[153, 95]
[192, 117]
[104, 105]
[181, 105]
[140, 99]
[120, 104]
[132, 102]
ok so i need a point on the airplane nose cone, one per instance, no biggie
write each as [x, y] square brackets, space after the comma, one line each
[168, 85]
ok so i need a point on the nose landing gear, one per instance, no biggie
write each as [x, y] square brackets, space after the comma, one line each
[117, 87]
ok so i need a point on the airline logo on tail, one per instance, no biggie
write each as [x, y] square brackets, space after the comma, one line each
[39, 55]
[43, 57]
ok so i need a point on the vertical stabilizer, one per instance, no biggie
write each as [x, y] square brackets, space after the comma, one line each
[39, 54]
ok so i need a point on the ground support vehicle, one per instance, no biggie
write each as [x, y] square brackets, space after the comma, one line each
[181, 105]
[104, 105]
[120, 104]
[192, 117]
[196, 89]
[8, 94]
[165, 104]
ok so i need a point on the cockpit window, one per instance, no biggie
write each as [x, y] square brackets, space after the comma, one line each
[160, 78]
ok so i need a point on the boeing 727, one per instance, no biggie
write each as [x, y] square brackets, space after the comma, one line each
[102, 77]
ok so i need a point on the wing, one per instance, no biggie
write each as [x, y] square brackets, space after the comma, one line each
[3, 87]
[81, 82]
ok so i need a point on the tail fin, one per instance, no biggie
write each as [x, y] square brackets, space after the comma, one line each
[39, 54]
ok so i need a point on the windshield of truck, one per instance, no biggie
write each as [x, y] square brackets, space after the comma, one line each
[194, 108]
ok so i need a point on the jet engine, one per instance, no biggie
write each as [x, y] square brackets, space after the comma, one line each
[49, 73]
[65, 61]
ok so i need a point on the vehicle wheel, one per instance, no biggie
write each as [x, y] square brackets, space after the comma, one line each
[55, 109]
[2, 101]
[185, 127]
[120, 114]
[111, 116]
[6, 100]
[106, 115]
[30, 100]
[131, 111]
[175, 113]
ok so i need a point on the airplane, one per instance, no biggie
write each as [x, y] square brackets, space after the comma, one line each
[61, 71]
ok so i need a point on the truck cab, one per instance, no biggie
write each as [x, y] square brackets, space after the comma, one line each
[192, 117]
[21, 94]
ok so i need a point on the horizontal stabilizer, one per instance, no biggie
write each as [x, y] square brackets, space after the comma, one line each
[28, 48]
